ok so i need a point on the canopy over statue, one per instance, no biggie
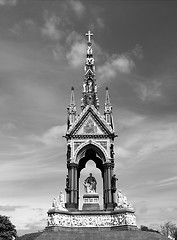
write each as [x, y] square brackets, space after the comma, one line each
[90, 184]
[90, 137]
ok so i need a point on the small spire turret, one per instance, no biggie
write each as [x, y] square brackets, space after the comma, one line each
[71, 109]
[72, 100]
[89, 85]
[108, 109]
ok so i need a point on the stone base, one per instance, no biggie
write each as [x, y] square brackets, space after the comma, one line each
[91, 202]
[121, 219]
[91, 207]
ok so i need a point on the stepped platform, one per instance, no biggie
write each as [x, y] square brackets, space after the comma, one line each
[96, 234]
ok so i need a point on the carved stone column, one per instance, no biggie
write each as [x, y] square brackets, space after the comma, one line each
[114, 179]
[75, 188]
[108, 200]
[72, 192]
[105, 187]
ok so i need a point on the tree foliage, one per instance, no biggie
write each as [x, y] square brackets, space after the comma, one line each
[169, 229]
[146, 229]
[7, 229]
[175, 234]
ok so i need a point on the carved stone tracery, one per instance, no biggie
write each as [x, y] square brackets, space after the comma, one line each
[85, 144]
[64, 220]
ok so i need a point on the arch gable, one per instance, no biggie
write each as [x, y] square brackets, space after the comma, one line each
[90, 144]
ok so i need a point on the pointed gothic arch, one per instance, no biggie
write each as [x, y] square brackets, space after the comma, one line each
[90, 151]
[102, 153]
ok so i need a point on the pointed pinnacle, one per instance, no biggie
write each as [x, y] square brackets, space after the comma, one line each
[72, 101]
[107, 101]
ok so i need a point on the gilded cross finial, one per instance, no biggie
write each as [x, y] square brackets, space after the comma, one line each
[89, 34]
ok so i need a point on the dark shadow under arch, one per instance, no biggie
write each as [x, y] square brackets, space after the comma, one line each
[90, 152]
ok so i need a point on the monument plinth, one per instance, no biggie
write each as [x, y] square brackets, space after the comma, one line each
[90, 136]
[91, 202]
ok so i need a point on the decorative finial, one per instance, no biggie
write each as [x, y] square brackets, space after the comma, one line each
[72, 101]
[107, 100]
[89, 34]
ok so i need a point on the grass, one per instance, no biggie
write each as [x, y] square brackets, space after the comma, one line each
[94, 235]
[29, 236]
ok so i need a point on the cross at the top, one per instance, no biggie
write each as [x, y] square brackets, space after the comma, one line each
[89, 34]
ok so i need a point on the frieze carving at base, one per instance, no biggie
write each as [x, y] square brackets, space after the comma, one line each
[112, 220]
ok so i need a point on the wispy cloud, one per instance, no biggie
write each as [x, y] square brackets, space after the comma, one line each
[149, 91]
[58, 52]
[77, 53]
[29, 154]
[78, 7]
[100, 23]
[167, 181]
[34, 221]
[122, 152]
[154, 184]
[8, 126]
[21, 28]
[8, 2]
[129, 118]
[51, 27]
[123, 64]
[137, 51]
[147, 138]
[119, 64]
[115, 65]
[97, 23]
[10, 208]
[51, 137]
[158, 138]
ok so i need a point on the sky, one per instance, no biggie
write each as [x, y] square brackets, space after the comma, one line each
[42, 55]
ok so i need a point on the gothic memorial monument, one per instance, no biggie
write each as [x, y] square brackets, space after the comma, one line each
[90, 136]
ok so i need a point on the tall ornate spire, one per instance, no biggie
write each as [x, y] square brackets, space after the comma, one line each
[89, 85]
[71, 109]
